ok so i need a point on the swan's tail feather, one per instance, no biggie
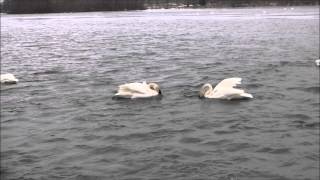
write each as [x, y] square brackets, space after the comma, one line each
[246, 95]
[123, 88]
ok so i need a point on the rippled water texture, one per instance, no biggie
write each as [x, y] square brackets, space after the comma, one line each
[60, 121]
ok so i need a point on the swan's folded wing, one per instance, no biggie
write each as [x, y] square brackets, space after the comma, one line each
[140, 88]
[226, 93]
[8, 78]
[228, 83]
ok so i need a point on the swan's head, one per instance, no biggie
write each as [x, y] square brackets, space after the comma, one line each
[204, 90]
[155, 87]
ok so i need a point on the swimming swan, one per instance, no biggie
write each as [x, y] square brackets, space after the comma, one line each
[224, 90]
[138, 90]
[8, 79]
[317, 62]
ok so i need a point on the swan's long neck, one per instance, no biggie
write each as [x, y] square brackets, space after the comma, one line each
[210, 89]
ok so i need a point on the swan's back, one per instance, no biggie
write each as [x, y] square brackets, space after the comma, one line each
[136, 90]
[141, 88]
[8, 78]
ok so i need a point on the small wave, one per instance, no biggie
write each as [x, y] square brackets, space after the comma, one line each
[217, 143]
[238, 146]
[15, 120]
[83, 146]
[301, 117]
[192, 153]
[85, 177]
[191, 140]
[221, 132]
[173, 156]
[254, 86]
[134, 136]
[284, 63]
[110, 149]
[29, 159]
[54, 140]
[313, 89]
[147, 136]
[11, 153]
[312, 125]
[272, 95]
[110, 127]
[240, 159]
[53, 71]
[305, 143]
[274, 150]
[242, 127]
[190, 93]
[312, 156]
[288, 163]
[90, 137]
[207, 125]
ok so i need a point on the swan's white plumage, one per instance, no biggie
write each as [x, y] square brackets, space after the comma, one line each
[134, 88]
[225, 90]
[317, 62]
[138, 90]
[228, 83]
[8, 78]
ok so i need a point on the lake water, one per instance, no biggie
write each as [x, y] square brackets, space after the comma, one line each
[60, 121]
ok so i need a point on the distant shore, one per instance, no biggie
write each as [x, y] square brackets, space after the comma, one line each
[57, 6]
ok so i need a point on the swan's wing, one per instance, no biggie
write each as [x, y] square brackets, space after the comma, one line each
[228, 83]
[140, 88]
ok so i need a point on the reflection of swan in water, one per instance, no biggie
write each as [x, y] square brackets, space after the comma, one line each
[138, 90]
[224, 90]
[8, 78]
[317, 62]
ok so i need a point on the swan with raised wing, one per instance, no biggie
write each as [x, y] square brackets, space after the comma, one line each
[224, 90]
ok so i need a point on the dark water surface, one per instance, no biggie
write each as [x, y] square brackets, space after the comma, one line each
[60, 121]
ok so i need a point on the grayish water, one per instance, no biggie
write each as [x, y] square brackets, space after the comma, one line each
[60, 121]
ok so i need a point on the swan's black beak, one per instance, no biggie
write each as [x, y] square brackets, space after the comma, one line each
[160, 92]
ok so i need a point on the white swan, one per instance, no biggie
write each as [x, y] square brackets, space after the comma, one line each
[138, 90]
[8, 79]
[317, 62]
[224, 90]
